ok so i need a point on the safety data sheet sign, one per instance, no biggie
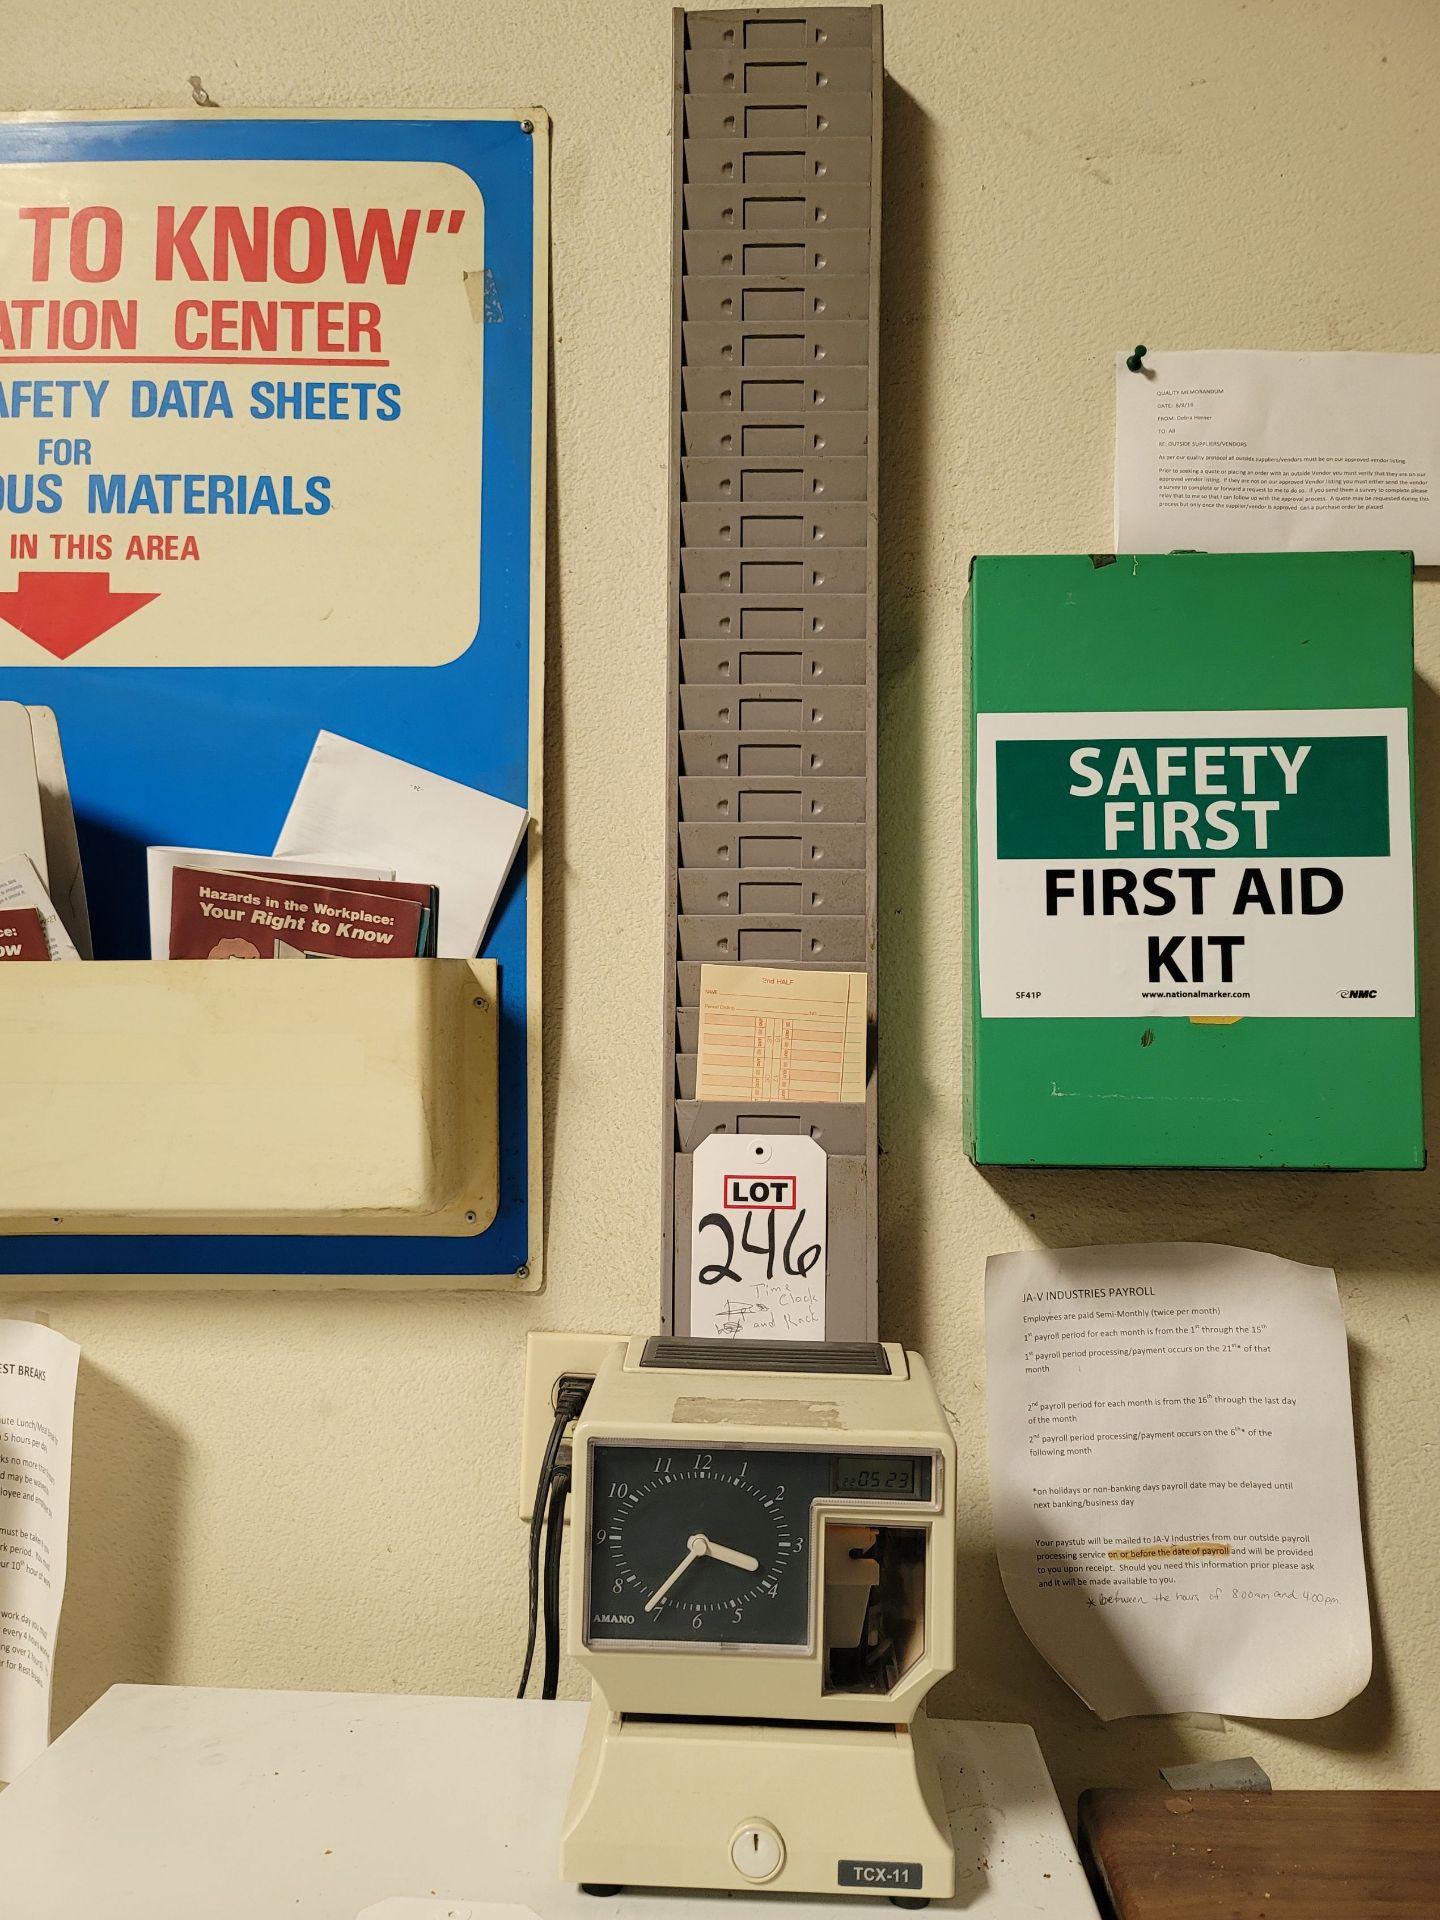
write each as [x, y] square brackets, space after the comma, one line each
[241, 385]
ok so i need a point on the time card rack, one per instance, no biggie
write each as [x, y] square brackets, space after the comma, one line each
[773, 571]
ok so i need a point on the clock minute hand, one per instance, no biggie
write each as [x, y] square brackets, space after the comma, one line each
[697, 1545]
[732, 1558]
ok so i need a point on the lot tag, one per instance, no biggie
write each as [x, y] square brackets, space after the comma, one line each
[757, 1237]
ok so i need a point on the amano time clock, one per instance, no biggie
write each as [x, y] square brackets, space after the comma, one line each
[762, 1577]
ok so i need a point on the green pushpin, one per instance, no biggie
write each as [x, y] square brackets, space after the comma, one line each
[1135, 361]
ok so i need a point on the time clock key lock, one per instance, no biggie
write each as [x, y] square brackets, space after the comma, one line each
[762, 1588]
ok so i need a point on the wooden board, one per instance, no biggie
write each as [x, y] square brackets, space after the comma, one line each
[1158, 1855]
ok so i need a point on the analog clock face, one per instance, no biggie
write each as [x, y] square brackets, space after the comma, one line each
[705, 1548]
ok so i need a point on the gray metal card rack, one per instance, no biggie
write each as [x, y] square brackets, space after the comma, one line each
[773, 570]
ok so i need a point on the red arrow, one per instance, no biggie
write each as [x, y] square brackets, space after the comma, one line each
[64, 612]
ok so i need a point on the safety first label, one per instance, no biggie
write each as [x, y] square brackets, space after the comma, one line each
[1214, 863]
[240, 412]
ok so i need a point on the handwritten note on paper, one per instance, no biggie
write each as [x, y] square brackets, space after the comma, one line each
[1172, 1472]
[1278, 452]
[37, 1406]
[766, 1034]
[757, 1237]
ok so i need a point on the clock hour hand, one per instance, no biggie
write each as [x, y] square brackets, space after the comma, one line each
[731, 1558]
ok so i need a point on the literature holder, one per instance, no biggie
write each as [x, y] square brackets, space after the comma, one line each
[345, 1123]
[349, 1097]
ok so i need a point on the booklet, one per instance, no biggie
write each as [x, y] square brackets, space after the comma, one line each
[425, 897]
[161, 863]
[22, 934]
[242, 916]
[21, 886]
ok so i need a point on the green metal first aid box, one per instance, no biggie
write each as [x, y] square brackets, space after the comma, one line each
[1191, 889]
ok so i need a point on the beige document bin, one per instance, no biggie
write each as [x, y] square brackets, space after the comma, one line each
[194, 1096]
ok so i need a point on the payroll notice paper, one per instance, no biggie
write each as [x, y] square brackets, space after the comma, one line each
[1278, 452]
[37, 1408]
[1172, 1470]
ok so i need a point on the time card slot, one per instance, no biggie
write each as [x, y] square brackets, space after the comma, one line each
[776, 570]
[759, 161]
[687, 978]
[715, 709]
[722, 115]
[803, 254]
[787, 201]
[717, 523]
[717, 616]
[775, 478]
[765, 390]
[735, 71]
[740, 751]
[757, 849]
[765, 709]
[781, 33]
[779, 441]
[720, 753]
[754, 800]
[839, 1126]
[796, 303]
[772, 890]
[761, 940]
[687, 1078]
[776, 342]
[836, 662]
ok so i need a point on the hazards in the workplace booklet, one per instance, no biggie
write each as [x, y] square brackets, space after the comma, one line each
[241, 916]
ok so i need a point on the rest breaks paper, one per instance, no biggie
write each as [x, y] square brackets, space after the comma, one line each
[1278, 452]
[1172, 1472]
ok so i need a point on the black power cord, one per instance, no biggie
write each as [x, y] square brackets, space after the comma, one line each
[571, 1393]
[554, 1534]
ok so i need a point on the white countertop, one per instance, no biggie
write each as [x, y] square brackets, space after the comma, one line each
[201, 1803]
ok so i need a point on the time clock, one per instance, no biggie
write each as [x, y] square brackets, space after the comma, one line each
[762, 1581]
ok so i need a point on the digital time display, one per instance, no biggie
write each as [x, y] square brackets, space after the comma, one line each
[877, 1473]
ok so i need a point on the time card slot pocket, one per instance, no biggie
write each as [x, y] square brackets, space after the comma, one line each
[807, 848]
[838, 116]
[836, 663]
[837, 1127]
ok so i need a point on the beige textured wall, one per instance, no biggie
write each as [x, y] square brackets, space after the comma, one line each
[317, 1491]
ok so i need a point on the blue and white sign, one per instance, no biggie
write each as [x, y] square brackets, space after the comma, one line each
[272, 402]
